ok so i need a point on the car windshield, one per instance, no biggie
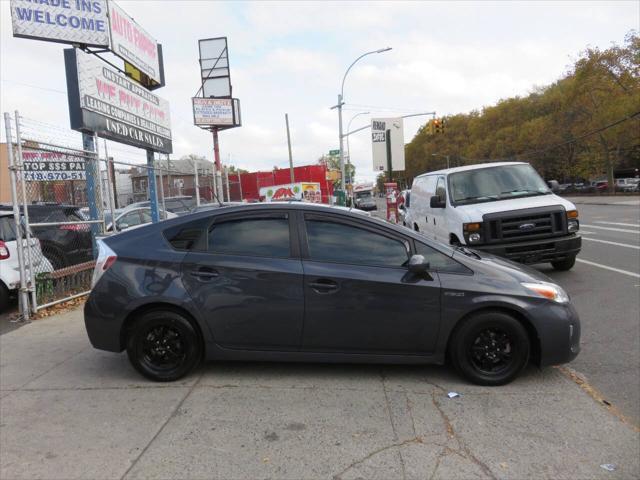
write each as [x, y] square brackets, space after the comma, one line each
[363, 195]
[496, 183]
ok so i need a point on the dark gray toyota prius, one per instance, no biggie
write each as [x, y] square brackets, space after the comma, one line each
[303, 282]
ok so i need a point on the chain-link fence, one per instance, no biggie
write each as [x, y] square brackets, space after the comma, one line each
[57, 205]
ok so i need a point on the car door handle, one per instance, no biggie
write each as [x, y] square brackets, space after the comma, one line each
[204, 274]
[324, 286]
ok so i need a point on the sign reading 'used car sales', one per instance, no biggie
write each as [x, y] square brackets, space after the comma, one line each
[102, 100]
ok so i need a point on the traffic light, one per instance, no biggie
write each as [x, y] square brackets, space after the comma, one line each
[438, 125]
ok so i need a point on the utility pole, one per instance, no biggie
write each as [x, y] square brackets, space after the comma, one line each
[218, 165]
[286, 119]
[389, 162]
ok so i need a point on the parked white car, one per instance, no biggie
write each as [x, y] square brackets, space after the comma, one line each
[504, 208]
[9, 267]
[137, 217]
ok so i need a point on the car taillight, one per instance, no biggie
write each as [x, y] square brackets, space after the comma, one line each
[106, 258]
[4, 251]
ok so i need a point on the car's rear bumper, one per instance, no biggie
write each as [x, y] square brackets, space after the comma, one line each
[537, 251]
[103, 325]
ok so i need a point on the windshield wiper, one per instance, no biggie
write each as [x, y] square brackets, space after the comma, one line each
[525, 191]
[478, 197]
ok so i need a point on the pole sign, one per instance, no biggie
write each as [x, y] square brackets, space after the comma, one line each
[51, 166]
[214, 112]
[104, 101]
[132, 43]
[66, 21]
[379, 127]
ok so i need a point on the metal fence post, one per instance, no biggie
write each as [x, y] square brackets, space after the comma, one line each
[153, 197]
[110, 191]
[197, 185]
[88, 146]
[161, 184]
[24, 299]
[31, 285]
[99, 201]
[226, 179]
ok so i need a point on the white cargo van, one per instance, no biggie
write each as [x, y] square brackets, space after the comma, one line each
[503, 208]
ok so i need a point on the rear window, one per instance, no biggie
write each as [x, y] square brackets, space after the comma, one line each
[188, 236]
[7, 229]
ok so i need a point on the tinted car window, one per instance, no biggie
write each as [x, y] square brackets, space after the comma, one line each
[336, 242]
[188, 236]
[263, 237]
[7, 229]
[439, 261]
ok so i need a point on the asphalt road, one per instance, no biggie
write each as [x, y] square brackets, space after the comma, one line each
[604, 286]
[606, 293]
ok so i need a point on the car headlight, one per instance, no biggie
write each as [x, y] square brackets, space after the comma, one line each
[573, 224]
[472, 232]
[550, 291]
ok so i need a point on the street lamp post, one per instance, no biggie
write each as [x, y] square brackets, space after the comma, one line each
[348, 147]
[439, 155]
[339, 106]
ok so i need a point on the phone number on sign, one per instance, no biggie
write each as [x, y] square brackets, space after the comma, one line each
[53, 176]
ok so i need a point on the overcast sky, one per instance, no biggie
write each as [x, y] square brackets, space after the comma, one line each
[289, 57]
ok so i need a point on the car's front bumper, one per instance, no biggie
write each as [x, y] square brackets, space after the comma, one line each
[558, 327]
[537, 251]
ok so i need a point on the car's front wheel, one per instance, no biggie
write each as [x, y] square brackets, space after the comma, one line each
[163, 345]
[490, 348]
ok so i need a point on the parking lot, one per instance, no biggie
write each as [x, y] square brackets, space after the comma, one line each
[69, 411]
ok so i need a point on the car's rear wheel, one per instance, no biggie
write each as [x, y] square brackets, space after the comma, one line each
[564, 265]
[163, 345]
[490, 348]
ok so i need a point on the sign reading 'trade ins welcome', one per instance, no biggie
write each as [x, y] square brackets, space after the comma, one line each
[67, 21]
[102, 100]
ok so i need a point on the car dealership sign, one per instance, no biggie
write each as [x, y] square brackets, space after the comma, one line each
[132, 43]
[67, 21]
[39, 166]
[104, 101]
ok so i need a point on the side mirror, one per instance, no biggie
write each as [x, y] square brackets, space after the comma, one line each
[437, 202]
[418, 264]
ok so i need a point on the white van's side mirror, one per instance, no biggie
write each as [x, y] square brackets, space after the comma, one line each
[437, 202]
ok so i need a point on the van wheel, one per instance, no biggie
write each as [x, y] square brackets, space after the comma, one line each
[490, 348]
[564, 265]
[163, 346]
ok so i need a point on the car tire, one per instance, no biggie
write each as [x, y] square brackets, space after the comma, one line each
[564, 265]
[490, 348]
[4, 297]
[163, 345]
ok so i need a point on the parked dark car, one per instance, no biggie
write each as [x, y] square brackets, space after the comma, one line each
[305, 282]
[63, 245]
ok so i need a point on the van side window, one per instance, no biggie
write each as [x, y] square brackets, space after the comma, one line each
[440, 189]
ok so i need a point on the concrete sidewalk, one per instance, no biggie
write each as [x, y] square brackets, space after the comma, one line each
[69, 411]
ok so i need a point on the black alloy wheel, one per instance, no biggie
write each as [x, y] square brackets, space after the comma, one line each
[490, 348]
[163, 346]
